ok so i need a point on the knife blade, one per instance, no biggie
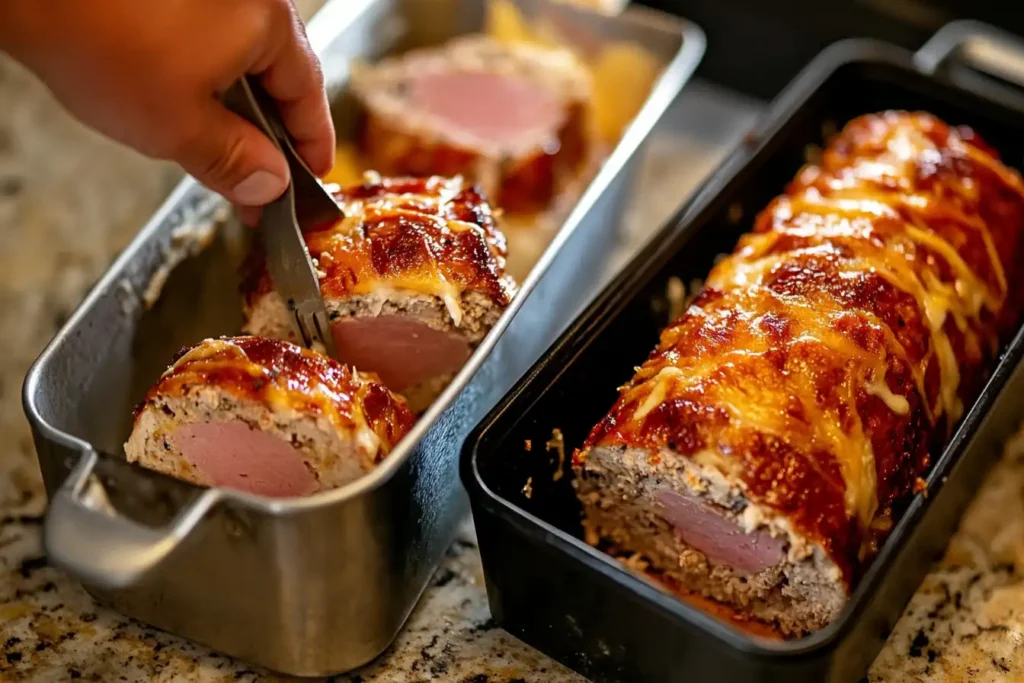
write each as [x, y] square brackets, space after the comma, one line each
[305, 203]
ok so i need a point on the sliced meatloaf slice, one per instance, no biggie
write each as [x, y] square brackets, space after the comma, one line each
[267, 417]
[765, 449]
[412, 278]
[511, 117]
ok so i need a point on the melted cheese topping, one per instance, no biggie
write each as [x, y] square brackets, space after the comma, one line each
[435, 283]
[740, 381]
[658, 393]
[289, 379]
[411, 236]
[963, 299]
[221, 354]
[787, 365]
[896, 403]
[211, 348]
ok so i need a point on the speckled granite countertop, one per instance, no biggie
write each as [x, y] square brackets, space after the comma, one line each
[70, 200]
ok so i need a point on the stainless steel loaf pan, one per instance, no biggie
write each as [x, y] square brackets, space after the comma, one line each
[320, 585]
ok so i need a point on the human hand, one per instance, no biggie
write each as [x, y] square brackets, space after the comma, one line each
[149, 75]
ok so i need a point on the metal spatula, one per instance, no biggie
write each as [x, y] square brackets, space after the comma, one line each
[305, 203]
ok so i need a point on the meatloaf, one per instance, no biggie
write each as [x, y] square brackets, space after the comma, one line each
[412, 278]
[266, 417]
[764, 450]
[511, 117]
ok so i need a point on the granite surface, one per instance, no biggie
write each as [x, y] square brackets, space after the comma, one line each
[70, 200]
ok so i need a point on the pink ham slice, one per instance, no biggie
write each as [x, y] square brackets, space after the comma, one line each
[493, 108]
[233, 455]
[402, 351]
[719, 538]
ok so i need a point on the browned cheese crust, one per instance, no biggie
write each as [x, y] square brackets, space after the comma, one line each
[343, 422]
[803, 392]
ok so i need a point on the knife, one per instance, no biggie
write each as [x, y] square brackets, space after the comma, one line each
[305, 203]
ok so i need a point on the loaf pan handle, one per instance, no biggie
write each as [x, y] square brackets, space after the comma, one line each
[86, 537]
[982, 47]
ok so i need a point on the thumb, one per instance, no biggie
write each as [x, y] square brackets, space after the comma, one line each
[234, 158]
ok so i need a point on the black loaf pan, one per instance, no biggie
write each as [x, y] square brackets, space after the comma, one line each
[549, 588]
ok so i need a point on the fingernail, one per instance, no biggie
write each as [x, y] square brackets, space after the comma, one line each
[259, 188]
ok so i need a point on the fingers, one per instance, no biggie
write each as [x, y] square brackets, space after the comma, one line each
[232, 157]
[290, 73]
[250, 215]
[313, 132]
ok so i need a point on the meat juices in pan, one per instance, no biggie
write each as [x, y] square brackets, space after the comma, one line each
[760, 455]
[413, 278]
[510, 117]
[266, 417]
